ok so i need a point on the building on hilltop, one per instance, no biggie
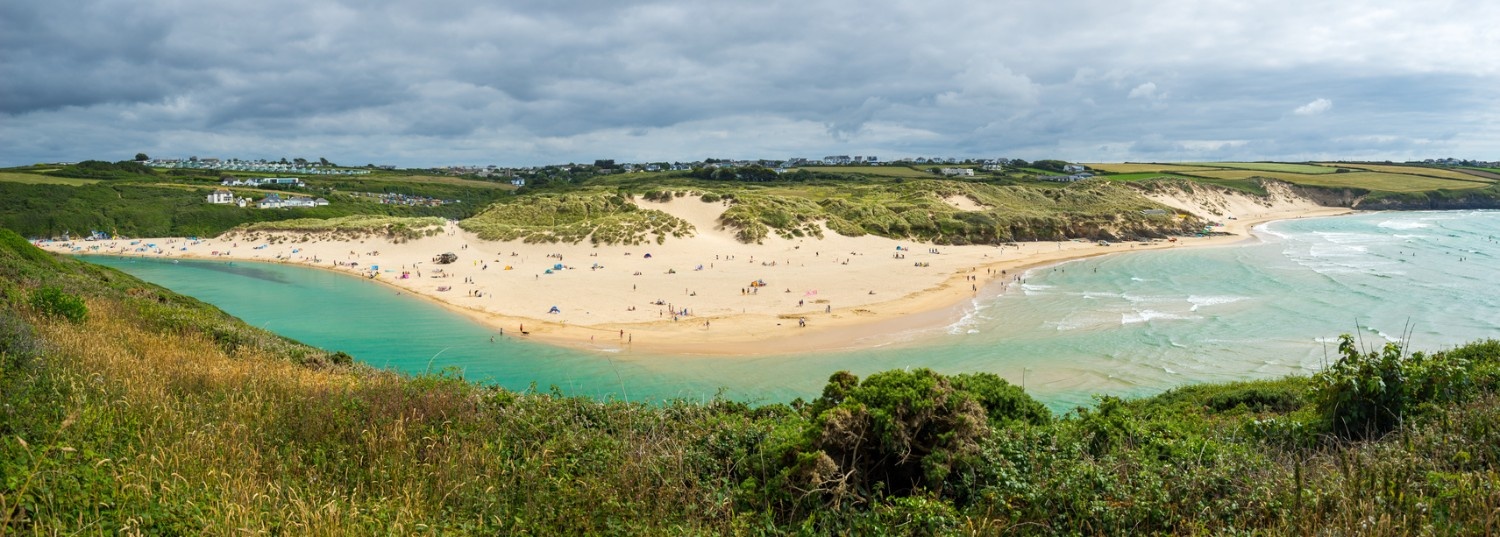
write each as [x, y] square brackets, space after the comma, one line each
[221, 196]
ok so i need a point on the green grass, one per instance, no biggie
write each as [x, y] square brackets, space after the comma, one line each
[875, 171]
[1426, 171]
[35, 179]
[1140, 167]
[1280, 167]
[1388, 182]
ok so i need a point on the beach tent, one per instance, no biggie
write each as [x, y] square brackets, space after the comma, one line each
[549, 271]
[557, 266]
[554, 310]
[648, 256]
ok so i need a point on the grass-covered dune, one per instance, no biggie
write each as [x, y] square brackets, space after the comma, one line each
[129, 409]
[602, 211]
[598, 216]
[398, 228]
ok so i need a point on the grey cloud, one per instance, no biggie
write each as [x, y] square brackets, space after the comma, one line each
[533, 82]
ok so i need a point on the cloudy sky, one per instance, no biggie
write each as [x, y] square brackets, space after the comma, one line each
[533, 82]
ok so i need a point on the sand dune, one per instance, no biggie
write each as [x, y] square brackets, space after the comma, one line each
[695, 295]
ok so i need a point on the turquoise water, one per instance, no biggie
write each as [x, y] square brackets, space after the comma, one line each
[1128, 324]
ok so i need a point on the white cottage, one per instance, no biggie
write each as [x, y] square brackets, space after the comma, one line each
[221, 197]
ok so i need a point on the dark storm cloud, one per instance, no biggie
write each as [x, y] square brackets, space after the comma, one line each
[535, 82]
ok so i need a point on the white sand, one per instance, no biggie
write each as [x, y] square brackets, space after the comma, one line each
[853, 291]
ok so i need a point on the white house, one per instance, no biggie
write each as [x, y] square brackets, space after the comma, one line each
[221, 197]
[272, 201]
[966, 172]
[1073, 168]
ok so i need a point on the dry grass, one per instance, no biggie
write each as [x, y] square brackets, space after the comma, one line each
[246, 441]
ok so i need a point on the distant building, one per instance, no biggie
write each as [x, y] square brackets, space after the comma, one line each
[221, 197]
[965, 172]
[1073, 168]
[271, 201]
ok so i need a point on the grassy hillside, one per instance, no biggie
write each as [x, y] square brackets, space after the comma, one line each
[39, 203]
[129, 409]
[801, 205]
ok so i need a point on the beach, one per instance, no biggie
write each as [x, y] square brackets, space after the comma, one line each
[707, 294]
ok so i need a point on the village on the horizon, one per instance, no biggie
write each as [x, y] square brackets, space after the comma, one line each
[517, 176]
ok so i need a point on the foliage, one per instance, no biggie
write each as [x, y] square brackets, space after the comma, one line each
[98, 169]
[55, 302]
[1003, 402]
[1367, 394]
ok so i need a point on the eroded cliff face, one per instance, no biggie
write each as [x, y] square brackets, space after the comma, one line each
[1480, 198]
[1214, 203]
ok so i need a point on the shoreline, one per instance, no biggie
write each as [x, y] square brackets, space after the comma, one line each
[926, 300]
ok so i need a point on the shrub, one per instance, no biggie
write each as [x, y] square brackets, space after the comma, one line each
[17, 339]
[53, 301]
[1367, 394]
[1003, 402]
[897, 432]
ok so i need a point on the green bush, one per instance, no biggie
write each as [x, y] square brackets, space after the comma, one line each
[1367, 394]
[17, 339]
[1003, 402]
[54, 302]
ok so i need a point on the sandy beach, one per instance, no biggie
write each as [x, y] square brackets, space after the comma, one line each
[708, 294]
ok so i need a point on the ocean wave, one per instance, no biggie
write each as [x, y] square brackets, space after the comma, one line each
[1212, 300]
[1146, 316]
[1351, 238]
[1402, 224]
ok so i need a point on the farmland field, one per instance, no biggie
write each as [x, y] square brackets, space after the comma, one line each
[1247, 174]
[1267, 167]
[1412, 170]
[881, 171]
[1141, 176]
[34, 179]
[1390, 182]
[1142, 167]
[430, 179]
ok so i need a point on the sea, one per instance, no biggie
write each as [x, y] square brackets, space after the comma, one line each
[1130, 324]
